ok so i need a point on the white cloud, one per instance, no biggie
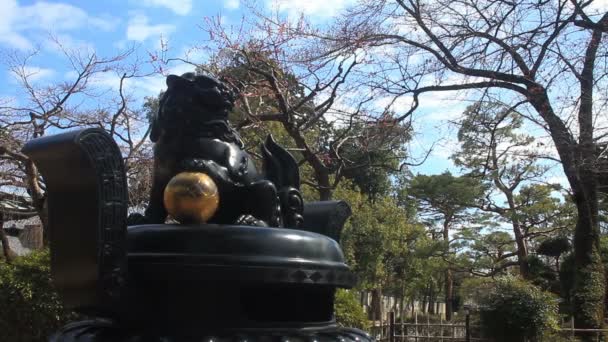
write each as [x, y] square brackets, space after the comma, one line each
[151, 85]
[56, 17]
[599, 6]
[181, 69]
[446, 148]
[436, 106]
[15, 40]
[65, 41]
[442, 106]
[446, 114]
[317, 8]
[232, 4]
[139, 87]
[105, 23]
[8, 101]
[35, 74]
[70, 74]
[400, 105]
[139, 29]
[180, 7]
[8, 36]
[194, 54]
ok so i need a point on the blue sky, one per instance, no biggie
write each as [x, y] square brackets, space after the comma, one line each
[105, 26]
[109, 23]
[112, 25]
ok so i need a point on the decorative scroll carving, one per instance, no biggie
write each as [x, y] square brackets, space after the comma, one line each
[87, 194]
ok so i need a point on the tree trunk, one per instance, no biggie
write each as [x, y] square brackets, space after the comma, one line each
[578, 164]
[449, 294]
[324, 185]
[376, 306]
[423, 303]
[6, 248]
[43, 214]
[522, 247]
[413, 306]
[589, 281]
[449, 280]
[431, 299]
[38, 197]
[522, 252]
[321, 171]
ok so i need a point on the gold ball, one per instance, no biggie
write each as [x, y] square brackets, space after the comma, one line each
[191, 197]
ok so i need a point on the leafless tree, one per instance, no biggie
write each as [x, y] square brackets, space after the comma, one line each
[550, 54]
[275, 84]
[51, 106]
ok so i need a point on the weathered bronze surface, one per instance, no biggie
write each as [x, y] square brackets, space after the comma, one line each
[248, 261]
[192, 134]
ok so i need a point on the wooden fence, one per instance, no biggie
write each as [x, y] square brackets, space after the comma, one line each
[426, 331]
[568, 331]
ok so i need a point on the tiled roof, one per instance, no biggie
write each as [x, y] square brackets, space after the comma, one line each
[20, 224]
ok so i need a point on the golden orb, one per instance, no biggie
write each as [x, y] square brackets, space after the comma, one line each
[191, 197]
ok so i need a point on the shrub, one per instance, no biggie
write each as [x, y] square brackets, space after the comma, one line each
[542, 275]
[348, 311]
[515, 310]
[554, 247]
[471, 289]
[30, 309]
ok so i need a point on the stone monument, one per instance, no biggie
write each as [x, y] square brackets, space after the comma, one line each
[248, 260]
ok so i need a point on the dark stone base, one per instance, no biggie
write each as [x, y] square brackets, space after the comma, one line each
[99, 330]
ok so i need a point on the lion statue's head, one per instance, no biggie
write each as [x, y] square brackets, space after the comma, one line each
[190, 102]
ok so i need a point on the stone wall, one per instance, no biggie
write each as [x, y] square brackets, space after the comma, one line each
[410, 308]
[24, 235]
[31, 236]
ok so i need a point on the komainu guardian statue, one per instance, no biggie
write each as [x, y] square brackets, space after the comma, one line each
[192, 134]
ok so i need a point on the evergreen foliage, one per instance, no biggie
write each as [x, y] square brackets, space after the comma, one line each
[348, 311]
[30, 309]
[514, 310]
[554, 247]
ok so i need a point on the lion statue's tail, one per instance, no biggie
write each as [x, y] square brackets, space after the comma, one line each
[282, 169]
